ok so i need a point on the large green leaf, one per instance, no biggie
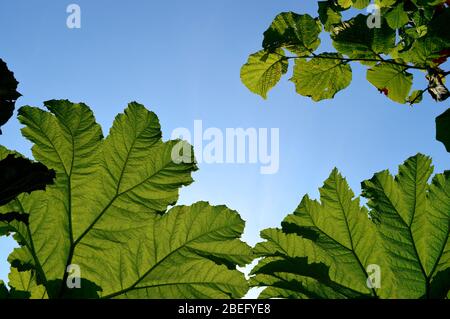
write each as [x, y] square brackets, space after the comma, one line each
[322, 76]
[392, 80]
[107, 213]
[328, 249]
[443, 129]
[299, 33]
[263, 71]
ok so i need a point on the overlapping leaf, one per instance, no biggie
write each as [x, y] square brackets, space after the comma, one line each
[322, 76]
[356, 40]
[263, 71]
[107, 213]
[326, 249]
[299, 33]
[392, 80]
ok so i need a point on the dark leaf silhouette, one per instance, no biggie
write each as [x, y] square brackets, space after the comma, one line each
[8, 93]
[443, 129]
[19, 175]
[9, 217]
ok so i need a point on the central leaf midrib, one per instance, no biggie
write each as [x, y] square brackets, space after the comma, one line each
[351, 240]
[409, 233]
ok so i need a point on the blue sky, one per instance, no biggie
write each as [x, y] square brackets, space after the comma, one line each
[182, 60]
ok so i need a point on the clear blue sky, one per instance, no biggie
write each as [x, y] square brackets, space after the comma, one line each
[182, 60]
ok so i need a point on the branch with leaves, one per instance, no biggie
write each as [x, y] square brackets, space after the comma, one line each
[411, 36]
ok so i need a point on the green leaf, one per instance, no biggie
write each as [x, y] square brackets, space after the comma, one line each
[397, 17]
[443, 129]
[24, 286]
[345, 3]
[326, 249]
[428, 49]
[423, 52]
[323, 249]
[356, 40]
[392, 80]
[295, 32]
[415, 97]
[108, 211]
[263, 71]
[385, 3]
[361, 4]
[422, 3]
[328, 14]
[321, 77]
[409, 210]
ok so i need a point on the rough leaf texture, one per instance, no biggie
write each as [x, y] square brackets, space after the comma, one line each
[327, 249]
[107, 214]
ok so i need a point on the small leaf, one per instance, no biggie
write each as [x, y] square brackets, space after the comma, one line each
[321, 77]
[415, 97]
[392, 78]
[263, 71]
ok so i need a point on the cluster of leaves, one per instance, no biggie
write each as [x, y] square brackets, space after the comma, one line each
[107, 213]
[325, 249]
[410, 35]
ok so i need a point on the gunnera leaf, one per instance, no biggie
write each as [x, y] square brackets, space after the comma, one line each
[107, 221]
[335, 248]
